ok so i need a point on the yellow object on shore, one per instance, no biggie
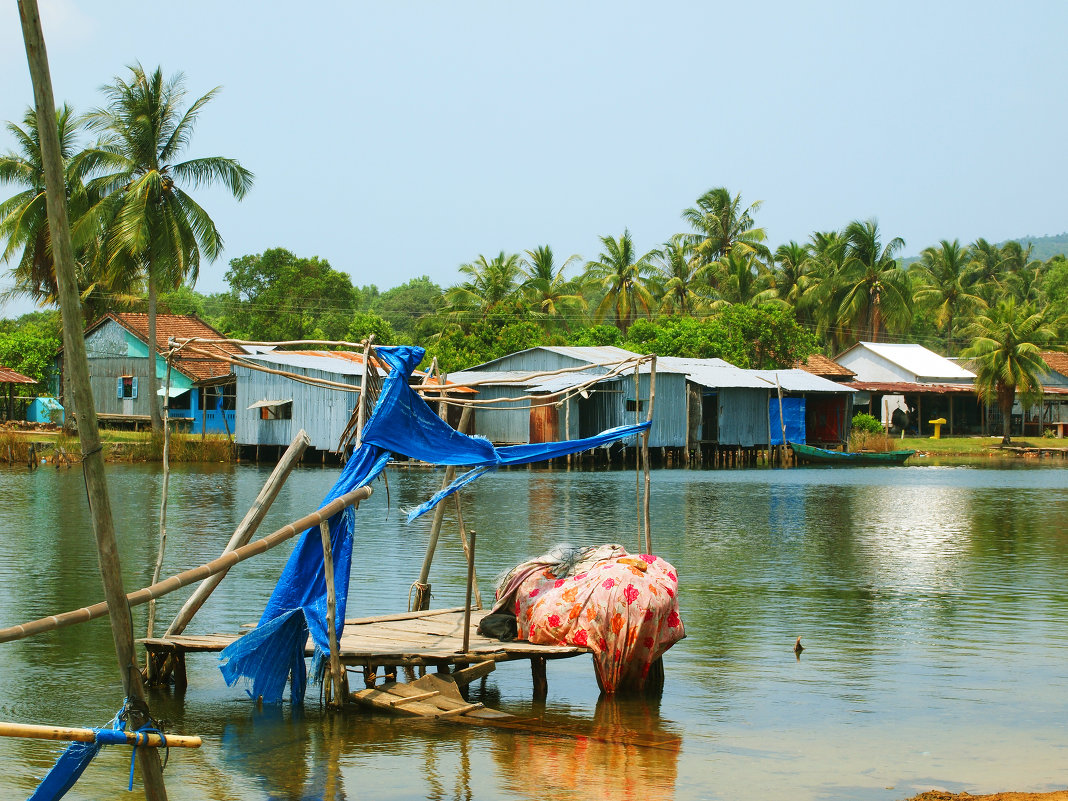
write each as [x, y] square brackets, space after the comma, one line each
[938, 422]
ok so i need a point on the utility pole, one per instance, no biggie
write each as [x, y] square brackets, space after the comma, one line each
[78, 365]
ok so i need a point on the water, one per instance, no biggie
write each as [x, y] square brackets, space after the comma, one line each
[932, 601]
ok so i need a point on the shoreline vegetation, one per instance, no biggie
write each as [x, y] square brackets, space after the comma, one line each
[52, 446]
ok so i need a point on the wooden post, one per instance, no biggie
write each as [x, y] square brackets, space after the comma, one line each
[782, 420]
[467, 548]
[422, 588]
[245, 530]
[537, 673]
[467, 601]
[335, 699]
[645, 452]
[637, 459]
[74, 351]
[150, 664]
[361, 411]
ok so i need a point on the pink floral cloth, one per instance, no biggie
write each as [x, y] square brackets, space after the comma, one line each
[624, 608]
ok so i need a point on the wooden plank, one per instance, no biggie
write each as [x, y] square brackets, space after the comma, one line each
[361, 621]
[411, 698]
[460, 710]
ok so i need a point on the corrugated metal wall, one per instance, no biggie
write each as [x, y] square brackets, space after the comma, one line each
[743, 417]
[603, 409]
[321, 412]
[538, 361]
[503, 423]
[669, 410]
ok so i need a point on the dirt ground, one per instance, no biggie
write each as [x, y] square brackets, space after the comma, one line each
[938, 795]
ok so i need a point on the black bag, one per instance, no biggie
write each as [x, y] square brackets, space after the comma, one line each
[501, 626]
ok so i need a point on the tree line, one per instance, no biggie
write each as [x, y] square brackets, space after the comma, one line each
[714, 290]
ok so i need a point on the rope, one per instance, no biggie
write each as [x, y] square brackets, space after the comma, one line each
[139, 706]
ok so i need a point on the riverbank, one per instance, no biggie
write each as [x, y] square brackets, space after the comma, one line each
[50, 445]
[938, 795]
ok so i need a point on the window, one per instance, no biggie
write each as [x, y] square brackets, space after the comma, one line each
[126, 387]
[635, 406]
[280, 411]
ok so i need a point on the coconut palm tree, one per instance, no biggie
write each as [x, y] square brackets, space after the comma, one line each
[721, 225]
[680, 278]
[1007, 344]
[872, 293]
[623, 277]
[948, 283]
[828, 250]
[545, 289]
[154, 227]
[491, 282]
[743, 279]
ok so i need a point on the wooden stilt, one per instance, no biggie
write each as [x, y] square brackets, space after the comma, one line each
[467, 601]
[335, 696]
[645, 453]
[541, 683]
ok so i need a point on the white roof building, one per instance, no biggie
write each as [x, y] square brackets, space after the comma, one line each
[883, 362]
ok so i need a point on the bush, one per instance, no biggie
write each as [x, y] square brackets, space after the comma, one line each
[868, 423]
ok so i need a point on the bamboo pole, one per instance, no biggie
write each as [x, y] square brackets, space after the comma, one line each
[467, 600]
[467, 548]
[36, 731]
[163, 499]
[422, 589]
[74, 351]
[176, 582]
[336, 697]
[645, 452]
[245, 530]
[637, 455]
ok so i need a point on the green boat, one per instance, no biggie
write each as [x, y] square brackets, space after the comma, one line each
[807, 454]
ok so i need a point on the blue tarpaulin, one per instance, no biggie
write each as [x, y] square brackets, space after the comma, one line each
[400, 422]
[793, 411]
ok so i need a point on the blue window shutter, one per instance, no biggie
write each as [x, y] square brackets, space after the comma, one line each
[119, 388]
[134, 395]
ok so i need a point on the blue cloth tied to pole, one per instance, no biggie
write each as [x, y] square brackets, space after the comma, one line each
[401, 422]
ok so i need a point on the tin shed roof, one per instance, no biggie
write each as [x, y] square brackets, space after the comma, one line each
[801, 381]
[916, 359]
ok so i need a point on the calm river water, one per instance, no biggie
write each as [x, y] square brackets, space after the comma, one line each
[932, 600]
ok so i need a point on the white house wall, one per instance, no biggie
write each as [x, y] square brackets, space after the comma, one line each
[871, 367]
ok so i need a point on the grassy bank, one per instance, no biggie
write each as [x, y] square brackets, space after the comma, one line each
[119, 446]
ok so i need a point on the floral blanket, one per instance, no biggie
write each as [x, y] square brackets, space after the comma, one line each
[624, 608]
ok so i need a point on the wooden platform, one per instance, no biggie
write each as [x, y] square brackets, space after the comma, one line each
[432, 638]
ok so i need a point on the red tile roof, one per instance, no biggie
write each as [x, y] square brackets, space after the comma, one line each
[1056, 361]
[820, 365]
[9, 376]
[179, 326]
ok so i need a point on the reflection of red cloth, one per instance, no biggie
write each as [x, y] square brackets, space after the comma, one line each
[625, 609]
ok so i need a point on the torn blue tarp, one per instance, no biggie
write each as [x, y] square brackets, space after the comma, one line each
[793, 414]
[401, 422]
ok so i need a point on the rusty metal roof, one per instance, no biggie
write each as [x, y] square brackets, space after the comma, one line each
[9, 376]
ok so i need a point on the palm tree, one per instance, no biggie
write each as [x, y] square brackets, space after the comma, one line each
[743, 279]
[23, 217]
[622, 276]
[722, 225]
[1007, 345]
[491, 283]
[545, 289]
[947, 283]
[871, 293]
[680, 278]
[154, 228]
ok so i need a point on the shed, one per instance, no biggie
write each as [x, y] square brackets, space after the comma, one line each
[9, 379]
[45, 410]
[602, 406]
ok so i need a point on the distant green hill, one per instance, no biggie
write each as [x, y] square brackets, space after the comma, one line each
[1043, 248]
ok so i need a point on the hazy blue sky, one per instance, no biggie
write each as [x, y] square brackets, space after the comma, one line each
[398, 139]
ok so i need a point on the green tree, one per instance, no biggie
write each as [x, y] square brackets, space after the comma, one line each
[1007, 344]
[871, 294]
[364, 324]
[743, 279]
[680, 278]
[947, 283]
[155, 229]
[31, 354]
[622, 276]
[491, 283]
[722, 225]
[410, 308]
[276, 296]
[547, 292]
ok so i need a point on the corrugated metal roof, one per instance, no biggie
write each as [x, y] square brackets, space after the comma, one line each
[594, 354]
[910, 387]
[559, 383]
[716, 376]
[918, 360]
[679, 364]
[327, 361]
[516, 378]
[801, 381]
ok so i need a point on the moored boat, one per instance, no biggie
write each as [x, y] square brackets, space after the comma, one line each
[809, 454]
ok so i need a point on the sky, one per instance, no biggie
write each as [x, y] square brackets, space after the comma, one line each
[399, 139]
